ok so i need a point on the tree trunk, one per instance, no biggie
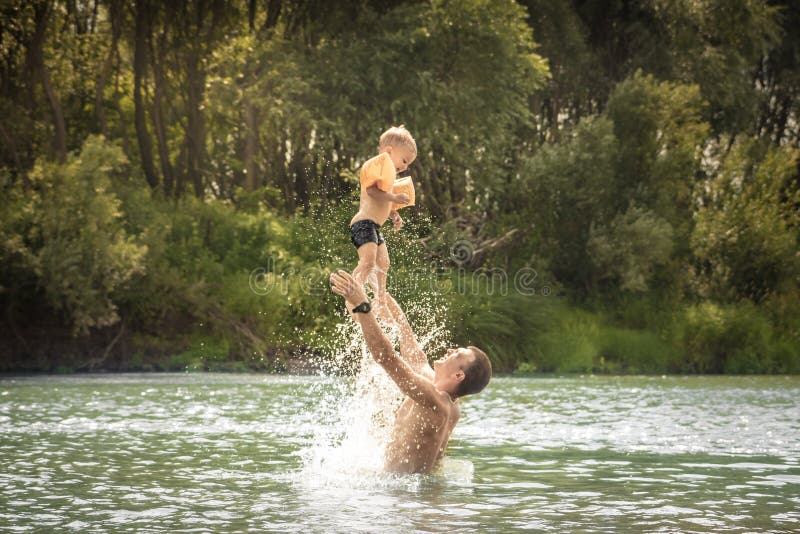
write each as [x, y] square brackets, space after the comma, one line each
[123, 132]
[36, 62]
[195, 134]
[301, 177]
[251, 14]
[11, 146]
[250, 145]
[93, 24]
[273, 13]
[182, 164]
[114, 9]
[139, 73]
[428, 194]
[283, 174]
[156, 58]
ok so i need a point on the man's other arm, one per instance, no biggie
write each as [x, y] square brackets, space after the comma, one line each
[414, 385]
[410, 348]
[417, 387]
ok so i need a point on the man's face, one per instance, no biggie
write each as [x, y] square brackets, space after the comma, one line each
[402, 157]
[454, 360]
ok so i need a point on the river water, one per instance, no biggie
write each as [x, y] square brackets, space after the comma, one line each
[227, 452]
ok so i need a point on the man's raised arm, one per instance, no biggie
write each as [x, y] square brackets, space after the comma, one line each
[410, 348]
[411, 383]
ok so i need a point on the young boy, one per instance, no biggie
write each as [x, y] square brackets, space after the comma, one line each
[397, 149]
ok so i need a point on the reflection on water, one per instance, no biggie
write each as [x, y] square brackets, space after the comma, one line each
[237, 452]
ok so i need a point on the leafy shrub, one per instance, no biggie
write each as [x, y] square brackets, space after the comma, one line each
[69, 233]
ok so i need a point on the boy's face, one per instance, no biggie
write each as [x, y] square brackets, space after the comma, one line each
[402, 157]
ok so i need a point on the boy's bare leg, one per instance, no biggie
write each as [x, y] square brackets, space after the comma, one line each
[381, 272]
[367, 254]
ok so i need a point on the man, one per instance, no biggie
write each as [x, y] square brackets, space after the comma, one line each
[431, 409]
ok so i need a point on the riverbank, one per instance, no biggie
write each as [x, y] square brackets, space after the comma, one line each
[524, 336]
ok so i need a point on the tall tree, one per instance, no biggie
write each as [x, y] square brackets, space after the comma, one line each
[115, 16]
[157, 46]
[201, 24]
[42, 11]
[141, 36]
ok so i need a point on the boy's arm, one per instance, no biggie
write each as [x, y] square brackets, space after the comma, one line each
[417, 387]
[387, 196]
[396, 220]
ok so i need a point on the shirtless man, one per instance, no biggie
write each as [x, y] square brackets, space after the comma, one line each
[431, 408]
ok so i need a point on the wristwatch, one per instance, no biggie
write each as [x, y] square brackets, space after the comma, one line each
[364, 307]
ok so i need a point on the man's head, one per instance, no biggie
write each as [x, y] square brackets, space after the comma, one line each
[402, 148]
[462, 371]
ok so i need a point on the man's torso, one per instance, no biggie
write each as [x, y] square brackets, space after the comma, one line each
[419, 438]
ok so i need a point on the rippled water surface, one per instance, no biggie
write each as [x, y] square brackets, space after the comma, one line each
[205, 452]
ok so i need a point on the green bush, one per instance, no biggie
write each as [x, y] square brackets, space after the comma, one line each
[203, 354]
[67, 233]
[734, 338]
[569, 342]
[624, 350]
[506, 326]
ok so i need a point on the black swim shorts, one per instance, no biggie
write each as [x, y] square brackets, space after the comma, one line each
[365, 231]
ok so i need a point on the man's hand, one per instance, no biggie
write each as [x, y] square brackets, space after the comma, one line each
[396, 219]
[401, 199]
[343, 284]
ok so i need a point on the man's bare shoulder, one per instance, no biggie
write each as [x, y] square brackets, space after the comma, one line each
[446, 409]
[426, 370]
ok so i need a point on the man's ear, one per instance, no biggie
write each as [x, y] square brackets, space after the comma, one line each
[460, 376]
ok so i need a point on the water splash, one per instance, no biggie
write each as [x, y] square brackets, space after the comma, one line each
[355, 420]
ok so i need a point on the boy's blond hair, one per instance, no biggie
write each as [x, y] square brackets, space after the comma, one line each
[397, 135]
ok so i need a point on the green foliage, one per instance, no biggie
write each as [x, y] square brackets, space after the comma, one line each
[305, 113]
[613, 201]
[567, 191]
[660, 132]
[502, 323]
[650, 173]
[569, 344]
[746, 233]
[631, 247]
[70, 235]
[206, 353]
[718, 44]
[572, 340]
[732, 339]
[625, 350]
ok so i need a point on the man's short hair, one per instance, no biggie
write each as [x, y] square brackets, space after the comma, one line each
[476, 374]
[397, 135]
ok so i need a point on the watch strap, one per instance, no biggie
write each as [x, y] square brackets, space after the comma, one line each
[364, 307]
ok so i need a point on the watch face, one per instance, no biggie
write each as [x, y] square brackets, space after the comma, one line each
[364, 307]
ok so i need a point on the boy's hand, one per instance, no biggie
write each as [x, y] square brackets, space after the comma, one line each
[402, 199]
[343, 284]
[397, 220]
